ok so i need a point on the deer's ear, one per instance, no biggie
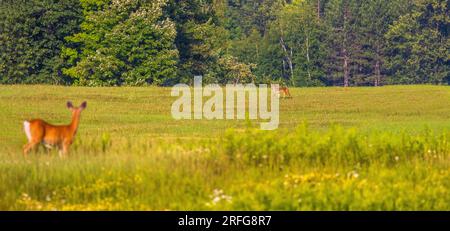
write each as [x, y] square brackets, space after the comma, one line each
[83, 105]
[69, 105]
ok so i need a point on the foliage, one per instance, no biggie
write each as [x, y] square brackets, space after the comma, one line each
[301, 170]
[420, 44]
[300, 45]
[165, 42]
[122, 42]
[31, 37]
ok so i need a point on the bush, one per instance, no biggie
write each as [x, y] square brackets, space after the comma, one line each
[337, 146]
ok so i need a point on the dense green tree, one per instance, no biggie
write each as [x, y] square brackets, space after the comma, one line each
[248, 23]
[164, 42]
[244, 16]
[31, 36]
[344, 42]
[286, 47]
[298, 32]
[420, 44]
[204, 43]
[195, 22]
[122, 42]
[376, 17]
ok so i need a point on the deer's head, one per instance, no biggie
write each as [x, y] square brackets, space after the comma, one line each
[76, 110]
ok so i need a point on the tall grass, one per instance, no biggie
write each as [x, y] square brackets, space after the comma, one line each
[300, 169]
[131, 155]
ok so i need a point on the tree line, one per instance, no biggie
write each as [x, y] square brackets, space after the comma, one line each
[164, 42]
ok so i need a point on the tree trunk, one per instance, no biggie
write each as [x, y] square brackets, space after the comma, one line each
[318, 10]
[291, 67]
[307, 56]
[346, 70]
[289, 59]
[377, 73]
[344, 51]
[378, 68]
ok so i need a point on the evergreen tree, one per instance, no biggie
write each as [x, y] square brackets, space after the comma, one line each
[164, 42]
[420, 44]
[194, 23]
[344, 42]
[31, 37]
[244, 16]
[376, 17]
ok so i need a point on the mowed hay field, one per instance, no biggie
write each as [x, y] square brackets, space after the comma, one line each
[382, 148]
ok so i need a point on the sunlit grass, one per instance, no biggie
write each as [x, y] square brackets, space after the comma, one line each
[389, 151]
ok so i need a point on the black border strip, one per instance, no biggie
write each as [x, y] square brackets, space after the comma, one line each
[169, 220]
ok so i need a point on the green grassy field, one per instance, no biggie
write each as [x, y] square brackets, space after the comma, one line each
[337, 149]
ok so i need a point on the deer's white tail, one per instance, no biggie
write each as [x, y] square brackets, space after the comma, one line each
[26, 127]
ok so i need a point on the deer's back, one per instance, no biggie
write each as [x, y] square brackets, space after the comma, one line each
[48, 133]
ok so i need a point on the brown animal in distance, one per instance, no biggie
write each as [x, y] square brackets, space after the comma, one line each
[61, 136]
[284, 92]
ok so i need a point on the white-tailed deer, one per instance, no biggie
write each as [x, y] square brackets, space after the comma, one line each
[283, 92]
[38, 131]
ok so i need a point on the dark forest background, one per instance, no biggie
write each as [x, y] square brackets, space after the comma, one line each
[163, 42]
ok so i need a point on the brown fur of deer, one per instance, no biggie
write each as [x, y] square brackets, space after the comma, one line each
[284, 92]
[61, 136]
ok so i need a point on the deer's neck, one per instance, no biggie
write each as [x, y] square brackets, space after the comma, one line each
[74, 124]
